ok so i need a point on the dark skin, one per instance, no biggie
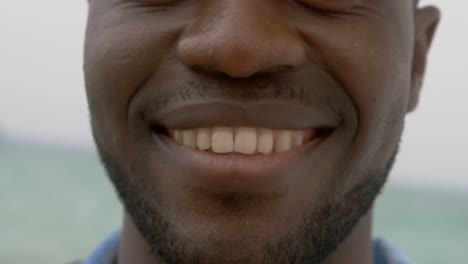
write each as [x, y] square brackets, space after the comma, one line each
[351, 69]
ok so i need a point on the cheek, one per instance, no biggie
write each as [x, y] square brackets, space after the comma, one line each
[369, 56]
[372, 62]
[379, 84]
[119, 59]
[374, 66]
[110, 83]
[376, 72]
[377, 80]
[114, 66]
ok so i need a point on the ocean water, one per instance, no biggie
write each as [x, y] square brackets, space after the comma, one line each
[56, 205]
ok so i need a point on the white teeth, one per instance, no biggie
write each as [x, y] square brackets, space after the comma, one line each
[283, 141]
[189, 138]
[297, 139]
[245, 140]
[178, 137]
[265, 141]
[204, 138]
[222, 140]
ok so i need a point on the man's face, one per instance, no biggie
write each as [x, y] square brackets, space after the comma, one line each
[254, 131]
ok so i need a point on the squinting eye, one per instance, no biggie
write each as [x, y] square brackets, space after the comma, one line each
[329, 5]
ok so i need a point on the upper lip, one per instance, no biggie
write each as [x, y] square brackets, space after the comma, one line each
[272, 114]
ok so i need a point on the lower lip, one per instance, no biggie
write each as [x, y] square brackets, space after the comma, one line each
[235, 171]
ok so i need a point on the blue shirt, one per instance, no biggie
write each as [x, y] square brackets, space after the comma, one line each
[106, 252]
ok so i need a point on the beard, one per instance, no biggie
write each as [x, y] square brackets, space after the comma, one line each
[319, 234]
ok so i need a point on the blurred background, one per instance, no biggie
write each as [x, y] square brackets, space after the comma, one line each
[56, 203]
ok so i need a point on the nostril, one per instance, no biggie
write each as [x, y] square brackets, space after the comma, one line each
[241, 46]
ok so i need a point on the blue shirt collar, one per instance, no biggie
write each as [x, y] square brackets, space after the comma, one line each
[106, 252]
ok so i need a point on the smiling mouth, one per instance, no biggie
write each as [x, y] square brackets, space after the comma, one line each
[243, 140]
[234, 146]
[261, 128]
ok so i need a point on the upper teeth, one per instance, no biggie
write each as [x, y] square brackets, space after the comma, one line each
[245, 140]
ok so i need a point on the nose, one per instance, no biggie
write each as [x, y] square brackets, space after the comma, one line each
[241, 38]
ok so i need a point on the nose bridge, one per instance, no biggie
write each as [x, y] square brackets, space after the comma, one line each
[240, 38]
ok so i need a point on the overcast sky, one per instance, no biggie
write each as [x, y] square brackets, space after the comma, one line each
[42, 96]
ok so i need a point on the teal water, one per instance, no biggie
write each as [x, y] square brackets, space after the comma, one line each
[56, 205]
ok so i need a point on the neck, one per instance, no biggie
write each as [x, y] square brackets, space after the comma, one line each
[133, 247]
[356, 248]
